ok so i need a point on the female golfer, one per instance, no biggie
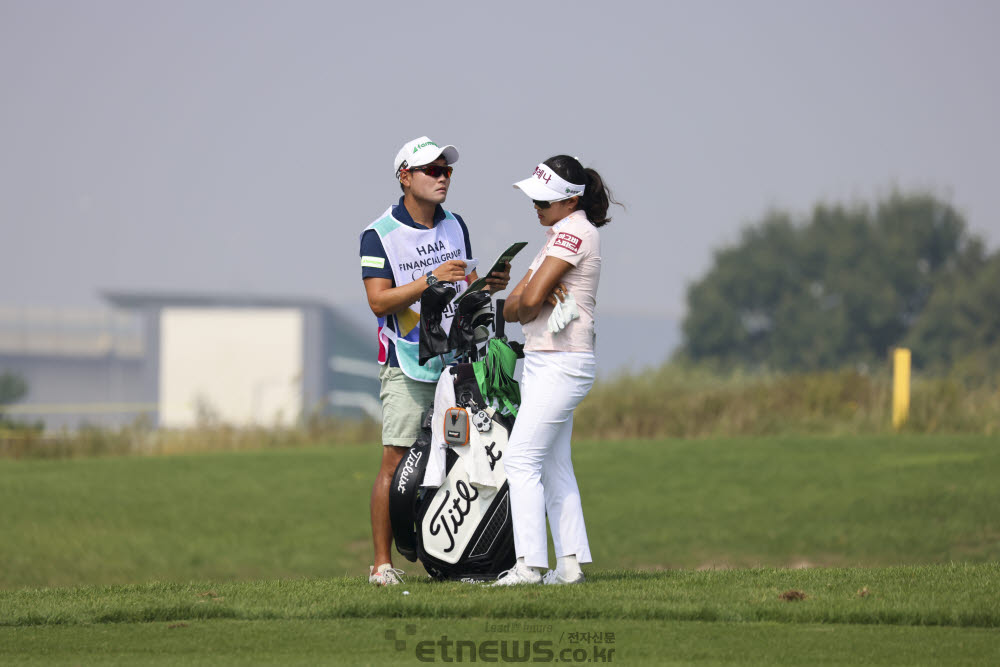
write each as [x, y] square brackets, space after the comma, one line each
[555, 304]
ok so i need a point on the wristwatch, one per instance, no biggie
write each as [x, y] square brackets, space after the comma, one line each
[431, 279]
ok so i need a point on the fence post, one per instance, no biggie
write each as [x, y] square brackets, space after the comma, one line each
[900, 386]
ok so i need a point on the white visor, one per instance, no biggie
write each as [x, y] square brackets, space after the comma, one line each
[547, 185]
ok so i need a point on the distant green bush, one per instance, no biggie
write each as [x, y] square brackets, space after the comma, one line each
[846, 282]
[12, 388]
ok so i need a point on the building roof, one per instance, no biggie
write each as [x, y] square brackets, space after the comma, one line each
[155, 299]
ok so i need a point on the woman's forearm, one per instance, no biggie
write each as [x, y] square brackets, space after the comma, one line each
[539, 286]
[510, 313]
[512, 305]
[527, 311]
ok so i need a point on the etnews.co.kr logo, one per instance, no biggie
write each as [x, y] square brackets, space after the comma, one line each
[400, 644]
[445, 649]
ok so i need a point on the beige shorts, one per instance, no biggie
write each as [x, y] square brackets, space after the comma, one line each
[404, 403]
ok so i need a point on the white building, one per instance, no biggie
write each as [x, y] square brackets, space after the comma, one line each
[180, 359]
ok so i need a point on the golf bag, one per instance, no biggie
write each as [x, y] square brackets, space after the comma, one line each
[459, 526]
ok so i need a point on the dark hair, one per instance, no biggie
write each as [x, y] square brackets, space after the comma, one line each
[596, 197]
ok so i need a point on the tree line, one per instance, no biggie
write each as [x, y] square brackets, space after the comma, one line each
[845, 285]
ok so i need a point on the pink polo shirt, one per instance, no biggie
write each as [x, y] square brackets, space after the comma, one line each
[574, 240]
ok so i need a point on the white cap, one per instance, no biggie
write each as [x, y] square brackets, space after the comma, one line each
[547, 185]
[422, 151]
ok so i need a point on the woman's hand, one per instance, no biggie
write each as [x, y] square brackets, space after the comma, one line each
[557, 294]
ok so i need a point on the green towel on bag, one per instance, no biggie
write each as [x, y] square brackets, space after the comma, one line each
[495, 375]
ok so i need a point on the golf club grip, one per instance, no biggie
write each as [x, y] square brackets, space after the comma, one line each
[498, 319]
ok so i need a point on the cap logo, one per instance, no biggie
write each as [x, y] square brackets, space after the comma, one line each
[424, 145]
[540, 173]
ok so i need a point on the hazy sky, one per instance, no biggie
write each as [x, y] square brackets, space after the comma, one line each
[242, 146]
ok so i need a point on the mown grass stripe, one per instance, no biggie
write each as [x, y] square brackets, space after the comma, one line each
[277, 515]
[949, 595]
[363, 642]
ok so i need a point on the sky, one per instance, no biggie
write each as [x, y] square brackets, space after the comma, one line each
[242, 146]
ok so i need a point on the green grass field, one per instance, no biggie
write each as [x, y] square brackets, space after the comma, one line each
[906, 615]
[258, 557]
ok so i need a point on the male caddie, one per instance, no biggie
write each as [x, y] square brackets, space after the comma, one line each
[412, 245]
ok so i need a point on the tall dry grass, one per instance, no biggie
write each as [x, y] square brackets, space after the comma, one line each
[690, 401]
[675, 400]
[141, 439]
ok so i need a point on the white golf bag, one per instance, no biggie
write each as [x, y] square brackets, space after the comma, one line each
[449, 501]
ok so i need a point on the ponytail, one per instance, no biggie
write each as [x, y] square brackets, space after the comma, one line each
[596, 196]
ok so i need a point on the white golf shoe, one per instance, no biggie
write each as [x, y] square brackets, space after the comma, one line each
[519, 574]
[385, 575]
[554, 578]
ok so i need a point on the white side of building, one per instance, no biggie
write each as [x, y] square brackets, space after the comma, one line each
[239, 366]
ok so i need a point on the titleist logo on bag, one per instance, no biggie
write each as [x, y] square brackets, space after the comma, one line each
[409, 466]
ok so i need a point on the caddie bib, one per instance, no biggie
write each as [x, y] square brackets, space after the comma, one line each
[412, 253]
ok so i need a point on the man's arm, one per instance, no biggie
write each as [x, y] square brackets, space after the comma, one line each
[384, 299]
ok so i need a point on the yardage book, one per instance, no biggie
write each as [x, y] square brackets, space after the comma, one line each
[505, 256]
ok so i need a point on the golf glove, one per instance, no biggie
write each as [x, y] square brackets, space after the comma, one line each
[564, 312]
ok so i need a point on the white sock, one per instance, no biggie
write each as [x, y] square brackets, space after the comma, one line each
[568, 567]
[521, 563]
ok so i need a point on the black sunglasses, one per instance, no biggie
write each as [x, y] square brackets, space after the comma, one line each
[541, 204]
[434, 170]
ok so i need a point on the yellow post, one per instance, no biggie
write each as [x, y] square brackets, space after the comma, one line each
[900, 386]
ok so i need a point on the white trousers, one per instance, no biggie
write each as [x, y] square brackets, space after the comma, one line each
[538, 464]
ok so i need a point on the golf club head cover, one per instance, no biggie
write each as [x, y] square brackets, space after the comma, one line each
[472, 310]
[424, 437]
[433, 338]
